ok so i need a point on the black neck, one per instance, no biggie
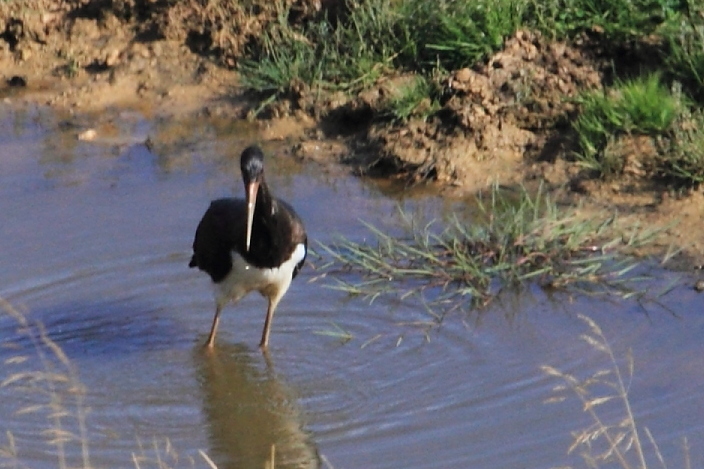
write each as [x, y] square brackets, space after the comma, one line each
[267, 235]
[264, 202]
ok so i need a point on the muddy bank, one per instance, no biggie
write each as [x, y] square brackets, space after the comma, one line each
[505, 121]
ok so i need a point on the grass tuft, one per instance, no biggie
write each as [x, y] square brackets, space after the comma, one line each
[512, 242]
[647, 106]
[681, 161]
[452, 35]
[642, 106]
[685, 55]
[344, 54]
[617, 20]
[415, 99]
[281, 59]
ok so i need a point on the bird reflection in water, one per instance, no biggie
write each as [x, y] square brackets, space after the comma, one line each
[249, 410]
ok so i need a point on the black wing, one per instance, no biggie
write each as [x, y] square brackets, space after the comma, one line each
[222, 229]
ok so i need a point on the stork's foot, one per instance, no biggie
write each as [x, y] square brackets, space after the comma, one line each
[209, 345]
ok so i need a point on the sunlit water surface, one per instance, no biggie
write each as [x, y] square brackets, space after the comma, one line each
[95, 245]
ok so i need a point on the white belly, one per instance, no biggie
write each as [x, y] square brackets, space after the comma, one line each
[244, 278]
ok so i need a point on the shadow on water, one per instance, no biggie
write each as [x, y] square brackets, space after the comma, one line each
[114, 327]
[250, 410]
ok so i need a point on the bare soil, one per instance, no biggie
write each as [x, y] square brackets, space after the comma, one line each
[506, 121]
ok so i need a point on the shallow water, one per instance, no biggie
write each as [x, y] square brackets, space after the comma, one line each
[95, 245]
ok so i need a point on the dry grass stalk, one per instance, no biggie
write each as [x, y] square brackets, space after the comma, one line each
[603, 442]
[57, 380]
[62, 398]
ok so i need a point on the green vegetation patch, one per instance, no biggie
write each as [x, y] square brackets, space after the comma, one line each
[685, 41]
[416, 98]
[642, 107]
[451, 35]
[681, 159]
[351, 48]
[511, 242]
[376, 38]
[618, 20]
[344, 54]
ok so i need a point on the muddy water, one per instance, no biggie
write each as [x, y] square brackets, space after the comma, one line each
[95, 244]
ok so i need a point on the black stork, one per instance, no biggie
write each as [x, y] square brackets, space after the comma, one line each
[255, 244]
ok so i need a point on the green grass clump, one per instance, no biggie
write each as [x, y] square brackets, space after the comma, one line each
[281, 59]
[350, 50]
[643, 106]
[511, 242]
[417, 98]
[346, 55]
[617, 20]
[681, 160]
[647, 105]
[278, 71]
[452, 35]
[640, 106]
[376, 38]
[685, 54]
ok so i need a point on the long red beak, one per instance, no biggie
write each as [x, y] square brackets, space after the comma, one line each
[252, 189]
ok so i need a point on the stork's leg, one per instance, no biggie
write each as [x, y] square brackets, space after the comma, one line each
[213, 330]
[273, 301]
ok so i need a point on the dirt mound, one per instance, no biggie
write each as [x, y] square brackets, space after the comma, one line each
[223, 30]
[493, 116]
[93, 53]
[79, 54]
